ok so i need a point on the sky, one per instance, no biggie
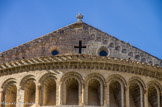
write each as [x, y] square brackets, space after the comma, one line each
[138, 22]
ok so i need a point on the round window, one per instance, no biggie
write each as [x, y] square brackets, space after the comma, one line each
[103, 53]
[54, 52]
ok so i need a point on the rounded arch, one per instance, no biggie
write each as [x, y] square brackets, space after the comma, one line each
[150, 62]
[137, 57]
[72, 75]
[116, 77]
[28, 84]
[94, 87]
[45, 76]
[111, 45]
[25, 79]
[153, 88]
[161, 63]
[116, 85]
[154, 84]
[95, 76]
[9, 95]
[138, 81]
[8, 82]
[118, 48]
[124, 51]
[71, 82]
[48, 89]
[143, 60]
[136, 88]
[130, 54]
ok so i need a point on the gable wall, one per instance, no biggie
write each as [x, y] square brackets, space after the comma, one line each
[66, 38]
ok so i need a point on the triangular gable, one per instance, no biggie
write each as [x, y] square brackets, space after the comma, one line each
[63, 40]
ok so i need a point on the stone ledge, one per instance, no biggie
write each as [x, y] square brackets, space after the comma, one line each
[81, 62]
[72, 106]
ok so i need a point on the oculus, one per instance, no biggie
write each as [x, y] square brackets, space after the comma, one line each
[103, 53]
[54, 52]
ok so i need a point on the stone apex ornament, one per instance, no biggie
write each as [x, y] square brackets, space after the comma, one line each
[79, 17]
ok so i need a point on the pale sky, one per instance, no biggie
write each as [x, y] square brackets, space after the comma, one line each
[138, 22]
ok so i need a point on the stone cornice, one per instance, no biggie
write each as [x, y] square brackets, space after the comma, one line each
[75, 61]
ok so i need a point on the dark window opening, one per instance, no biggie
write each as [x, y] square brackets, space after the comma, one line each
[54, 52]
[111, 45]
[103, 53]
[130, 54]
[137, 57]
[150, 62]
[117, 48]
[124, 51]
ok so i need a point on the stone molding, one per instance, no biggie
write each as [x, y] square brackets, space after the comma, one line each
[77, 61]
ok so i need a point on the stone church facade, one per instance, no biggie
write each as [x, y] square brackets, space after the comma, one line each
[79, 65]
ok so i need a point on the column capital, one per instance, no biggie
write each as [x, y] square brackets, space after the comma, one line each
[161, 93]
[145, 90]
[1, 90]
[83, 84]
[39, 85]
[19, 87]
[126, 88]
[105, 85]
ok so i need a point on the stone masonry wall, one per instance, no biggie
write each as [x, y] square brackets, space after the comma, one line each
[107, 77]
[63, 40]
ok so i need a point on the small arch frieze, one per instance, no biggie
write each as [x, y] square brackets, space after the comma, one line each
[111, 45]
[124, 51]
[137, 57]
[93, 36]
[130, 54]
[118, 48]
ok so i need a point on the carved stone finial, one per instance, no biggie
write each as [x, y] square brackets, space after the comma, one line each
[79, 17]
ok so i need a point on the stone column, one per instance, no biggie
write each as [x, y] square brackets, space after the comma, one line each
[127, 96]
[108, 95]
[158, 96]
[105, 94]
[58, 93]
[102, 94]
[20, 97]
[38, 95]
[86, 94]
[83, 94]
[63, 94]
[146, 97]
[1, 97]
[122, 95]
[141, 96]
